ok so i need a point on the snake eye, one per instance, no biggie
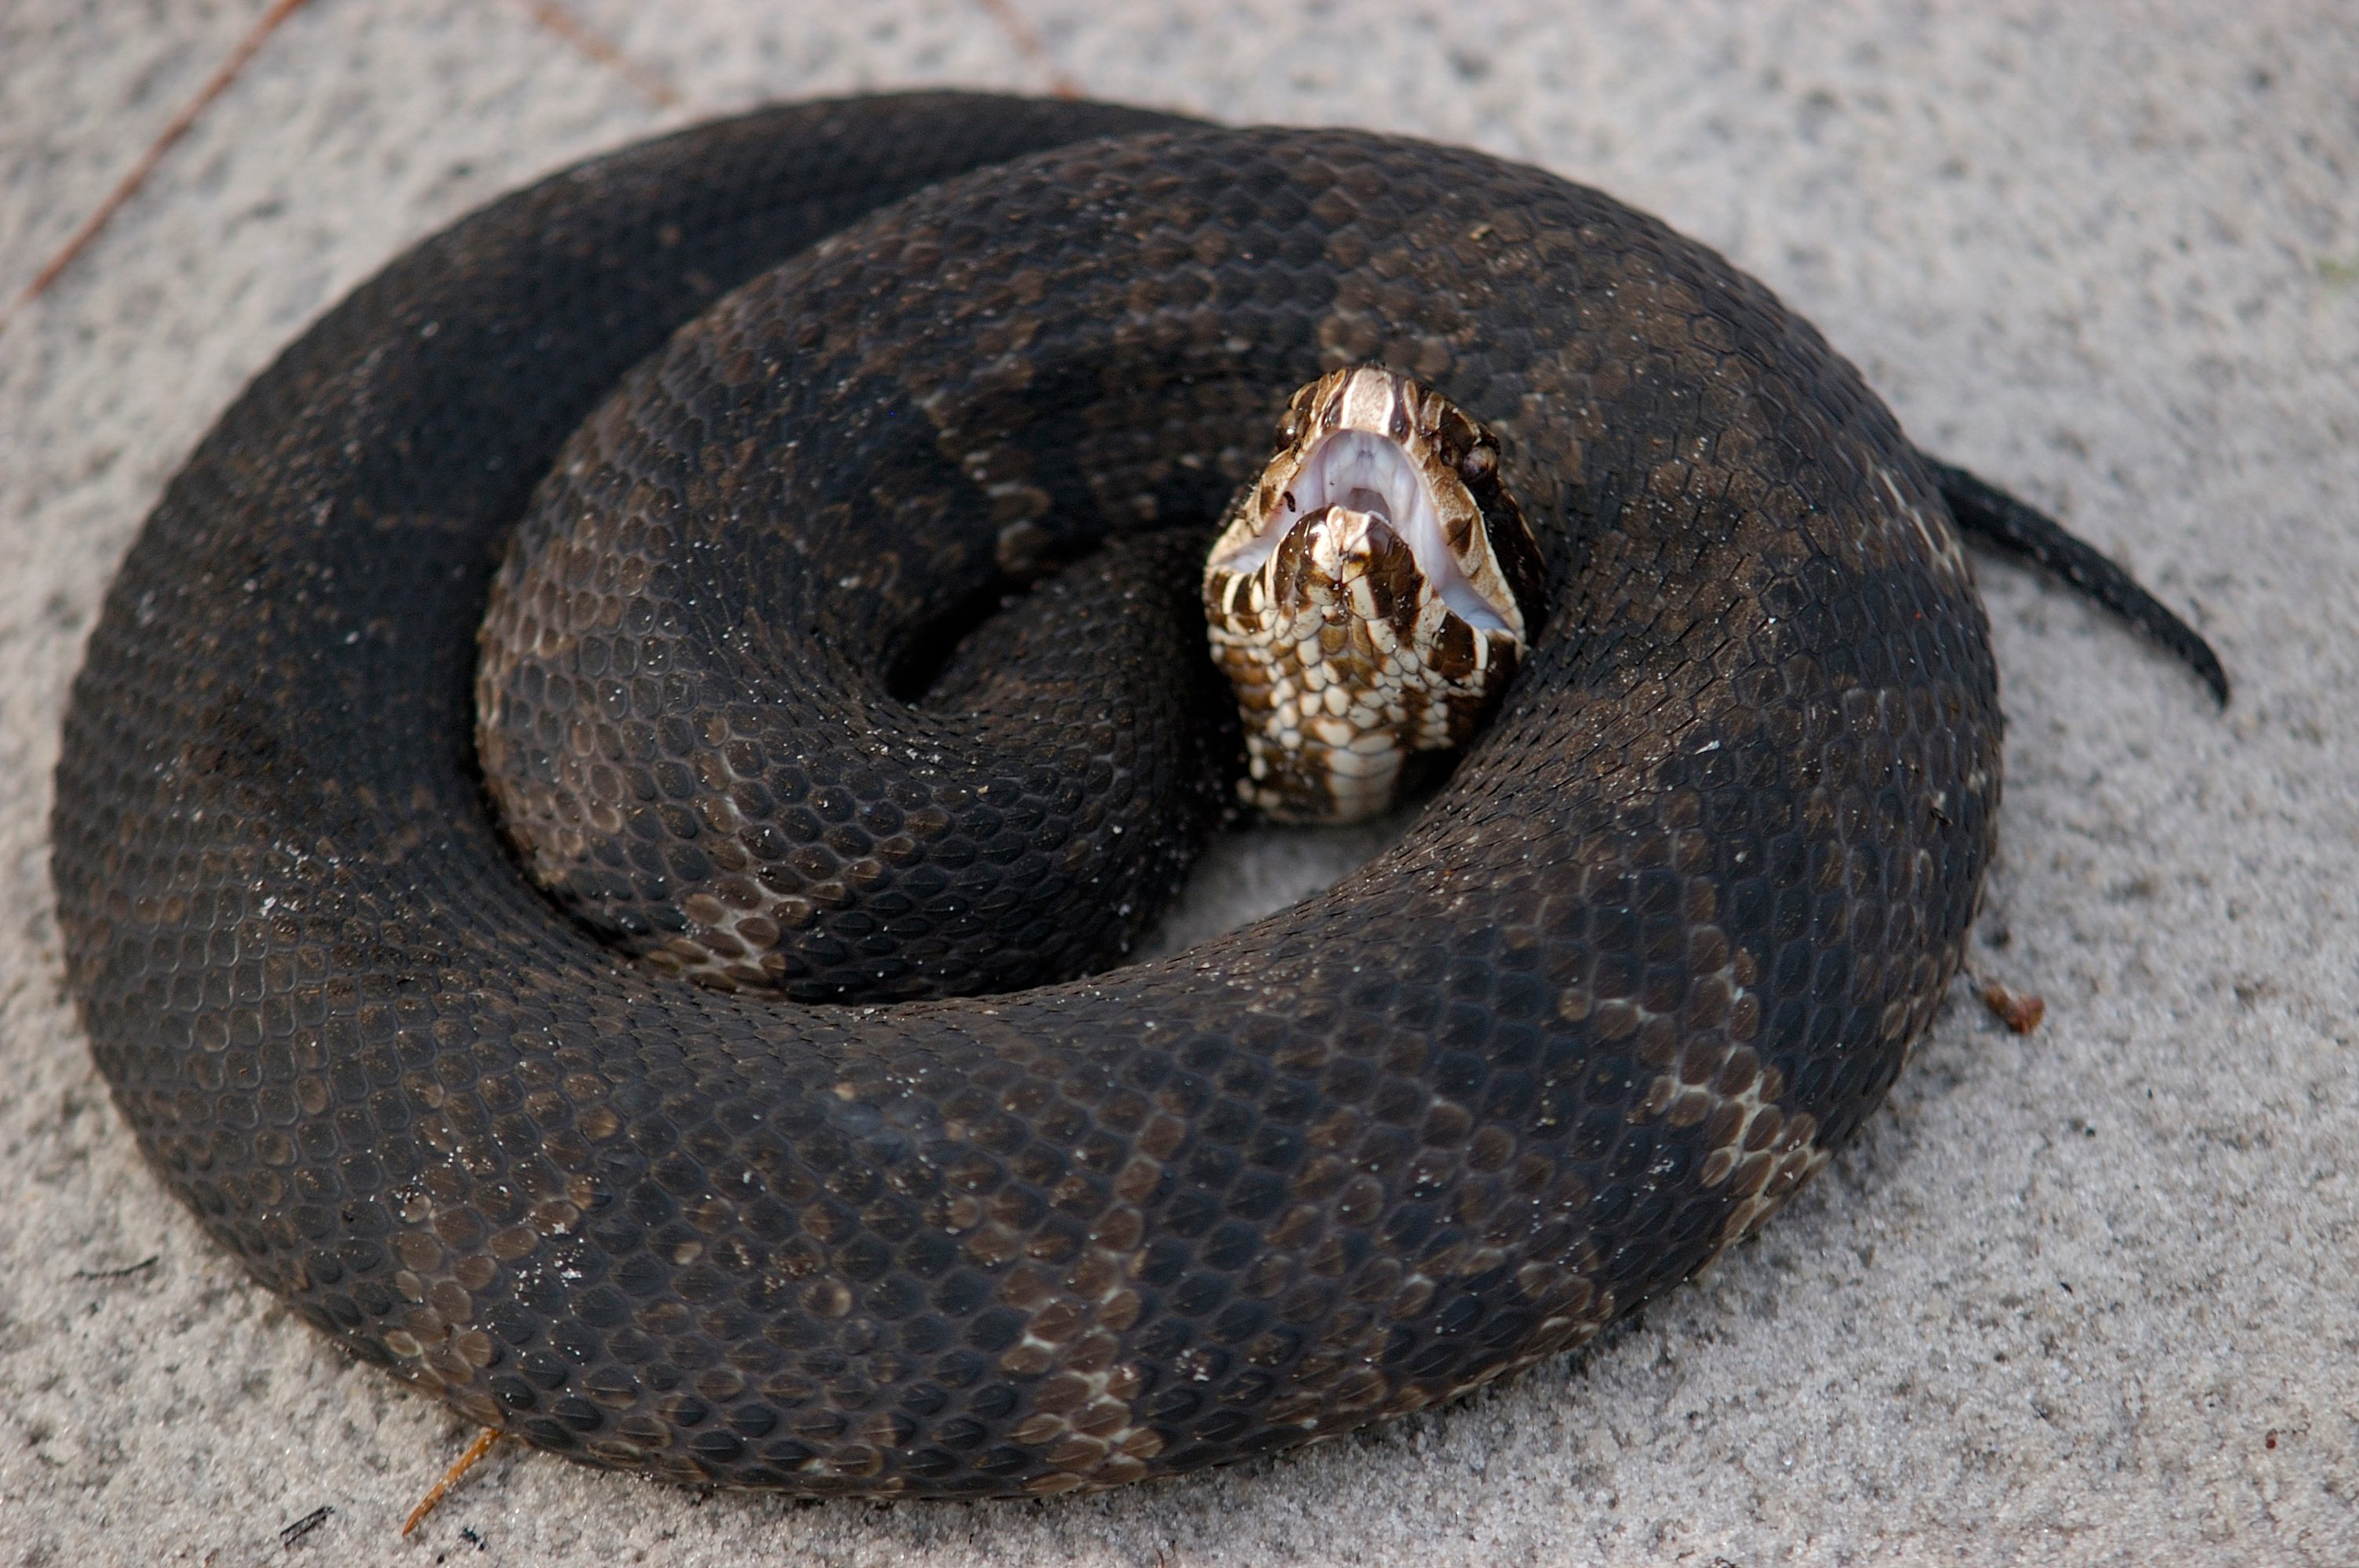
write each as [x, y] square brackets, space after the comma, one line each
[1479, 462]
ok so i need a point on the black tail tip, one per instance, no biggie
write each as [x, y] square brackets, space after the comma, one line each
[1991, 514]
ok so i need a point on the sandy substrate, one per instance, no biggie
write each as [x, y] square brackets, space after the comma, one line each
[2089, 1295]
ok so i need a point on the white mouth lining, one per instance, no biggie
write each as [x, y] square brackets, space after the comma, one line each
[1368, 472]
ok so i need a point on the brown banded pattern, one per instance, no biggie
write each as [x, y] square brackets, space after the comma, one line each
[738, 420]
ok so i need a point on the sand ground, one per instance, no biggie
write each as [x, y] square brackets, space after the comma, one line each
[2087, 1296]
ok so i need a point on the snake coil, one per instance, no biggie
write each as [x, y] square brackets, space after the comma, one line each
[1659, 945]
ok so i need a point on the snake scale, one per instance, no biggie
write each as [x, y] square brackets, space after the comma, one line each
[1657, 945]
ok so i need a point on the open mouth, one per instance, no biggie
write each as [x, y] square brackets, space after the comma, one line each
[1367, 472]
[1367, 596]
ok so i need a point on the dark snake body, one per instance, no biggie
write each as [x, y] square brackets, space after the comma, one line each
[1661, 943]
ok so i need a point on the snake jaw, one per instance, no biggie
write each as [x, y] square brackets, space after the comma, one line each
[1363, 597]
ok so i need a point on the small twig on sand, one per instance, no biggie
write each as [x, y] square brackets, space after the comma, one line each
[128, 187]
[596, 46]
[2020, 1011]
[1028, 44]
[125, 1272]
[466, 1462]
[304, 1526]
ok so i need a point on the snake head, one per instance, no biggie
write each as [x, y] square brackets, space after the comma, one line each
[1370, 594]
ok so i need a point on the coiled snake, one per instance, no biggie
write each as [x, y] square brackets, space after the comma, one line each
[1659, 944]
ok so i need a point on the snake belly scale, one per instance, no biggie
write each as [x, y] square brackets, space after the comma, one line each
[1660, 942]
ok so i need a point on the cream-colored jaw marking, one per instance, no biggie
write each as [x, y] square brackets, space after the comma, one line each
[1359, 597]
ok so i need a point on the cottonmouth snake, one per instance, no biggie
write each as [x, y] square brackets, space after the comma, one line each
[1658, 945]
